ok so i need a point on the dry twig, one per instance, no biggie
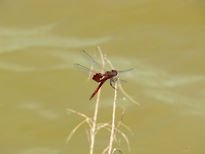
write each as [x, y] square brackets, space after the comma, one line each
[112, 135]
[93, 129]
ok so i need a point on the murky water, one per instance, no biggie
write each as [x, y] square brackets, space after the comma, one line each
[162, 40]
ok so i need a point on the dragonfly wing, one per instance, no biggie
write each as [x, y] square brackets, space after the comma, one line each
[91, 59]
[126, 70]
[123, 81]
[84, 69]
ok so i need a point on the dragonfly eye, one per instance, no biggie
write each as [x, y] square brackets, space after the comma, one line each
[114, 72]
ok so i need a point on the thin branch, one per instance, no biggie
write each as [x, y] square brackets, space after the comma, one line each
[100, 126]
[78, 113]
[102, 59]
[120, 122]
[93, 129]
[105, 150]
[88, 135]
[88, 119]
[127, 95]
[128, 128]
[124, 137]
[112, 135]
[74, 130]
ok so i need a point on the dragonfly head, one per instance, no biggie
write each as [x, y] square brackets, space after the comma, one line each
[114, 72]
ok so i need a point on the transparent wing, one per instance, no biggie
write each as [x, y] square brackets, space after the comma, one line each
[84, 69]
[126, 70]
[91, 59]
[123, 81]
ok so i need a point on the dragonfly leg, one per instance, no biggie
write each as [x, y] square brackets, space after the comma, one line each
[111, 81]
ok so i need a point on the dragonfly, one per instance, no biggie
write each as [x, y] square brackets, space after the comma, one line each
[101, 78]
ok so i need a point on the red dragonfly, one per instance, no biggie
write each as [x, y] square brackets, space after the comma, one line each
[99, 77]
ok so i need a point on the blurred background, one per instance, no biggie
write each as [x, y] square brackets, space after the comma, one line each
[163, 40]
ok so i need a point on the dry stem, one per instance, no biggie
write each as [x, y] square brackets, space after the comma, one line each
[74, 130]
[93, 129]
[112, 135]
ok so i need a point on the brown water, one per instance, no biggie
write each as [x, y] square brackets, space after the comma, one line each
[162, 40]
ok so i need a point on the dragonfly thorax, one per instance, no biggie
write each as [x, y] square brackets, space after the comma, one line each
[110, 73]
